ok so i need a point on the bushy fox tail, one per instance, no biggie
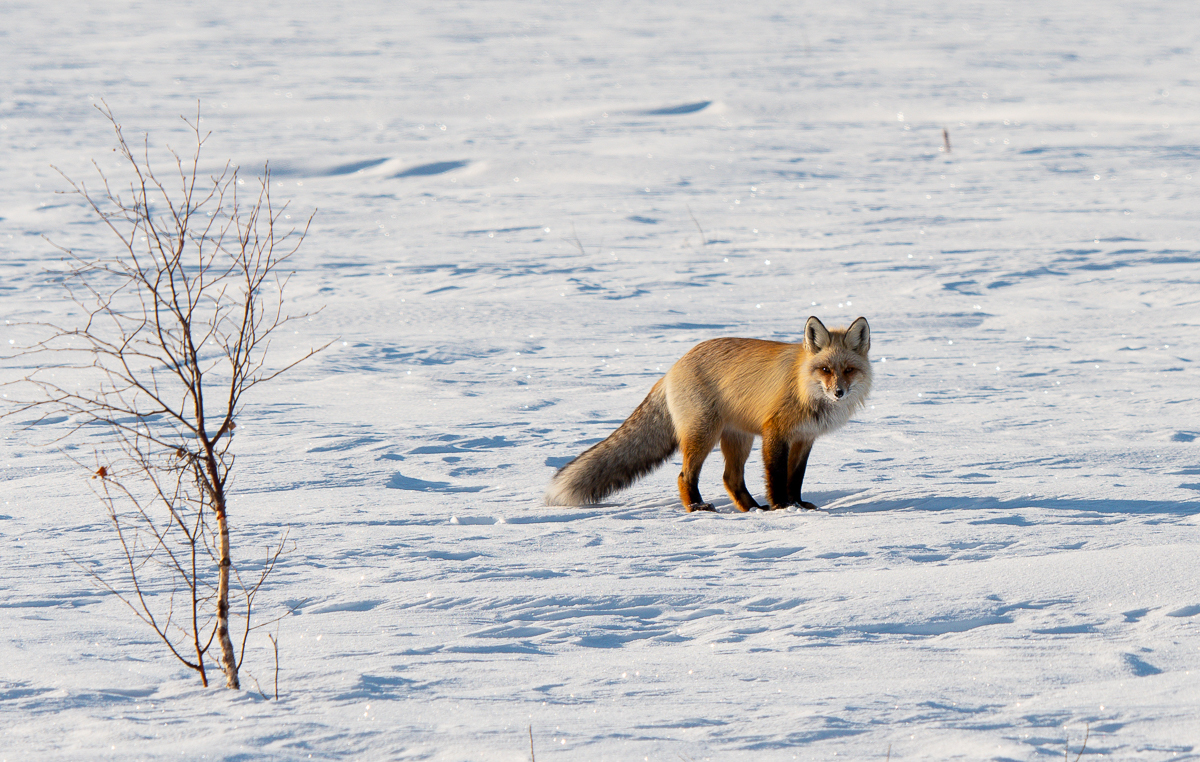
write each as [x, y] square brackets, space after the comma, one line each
[637, 447]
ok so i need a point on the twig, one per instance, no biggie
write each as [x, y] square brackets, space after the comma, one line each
[531, 757]
[703, 238]
[945, 140]
[574, 239]
[258, 688]
[275, 645]
[1067, 745]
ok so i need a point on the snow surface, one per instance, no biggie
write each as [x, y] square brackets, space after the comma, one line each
[506, 254]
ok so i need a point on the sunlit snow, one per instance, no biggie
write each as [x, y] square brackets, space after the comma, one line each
[525, 213]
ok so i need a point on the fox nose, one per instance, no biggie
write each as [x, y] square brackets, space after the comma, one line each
[839, 392]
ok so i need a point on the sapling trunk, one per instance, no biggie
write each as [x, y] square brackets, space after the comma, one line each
[229, 660]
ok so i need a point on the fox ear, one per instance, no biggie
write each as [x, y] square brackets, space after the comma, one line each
[816, 336]
[858, 336]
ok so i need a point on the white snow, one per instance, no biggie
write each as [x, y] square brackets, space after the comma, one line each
[508, 250]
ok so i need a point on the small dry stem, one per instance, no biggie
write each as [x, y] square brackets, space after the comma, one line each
[703, 238]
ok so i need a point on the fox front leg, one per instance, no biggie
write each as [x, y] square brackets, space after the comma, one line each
[797, 463]
[775, 462]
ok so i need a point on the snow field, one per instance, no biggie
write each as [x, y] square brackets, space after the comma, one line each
[1005, 551]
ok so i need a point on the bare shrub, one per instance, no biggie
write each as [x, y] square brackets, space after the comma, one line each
[176, 330]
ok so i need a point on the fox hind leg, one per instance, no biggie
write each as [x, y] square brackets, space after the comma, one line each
[735, 446]
[695, 447]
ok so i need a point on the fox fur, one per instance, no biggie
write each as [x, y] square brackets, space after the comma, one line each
[729, 391]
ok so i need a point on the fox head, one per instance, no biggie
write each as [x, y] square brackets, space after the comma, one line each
[837, 366]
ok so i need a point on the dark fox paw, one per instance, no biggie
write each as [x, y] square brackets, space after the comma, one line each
[700, 507]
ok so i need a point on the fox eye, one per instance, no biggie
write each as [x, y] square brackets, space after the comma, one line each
[825, 370]
[850, 371]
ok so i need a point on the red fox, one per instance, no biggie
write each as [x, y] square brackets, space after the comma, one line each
[731, 390]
